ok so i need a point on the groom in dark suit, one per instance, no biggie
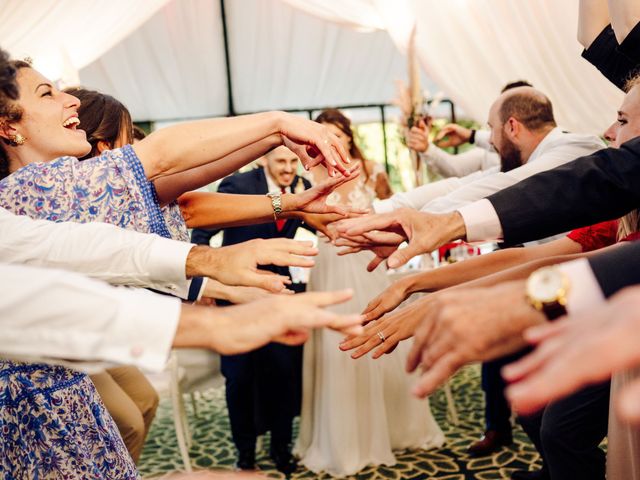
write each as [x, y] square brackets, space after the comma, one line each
[263, 387]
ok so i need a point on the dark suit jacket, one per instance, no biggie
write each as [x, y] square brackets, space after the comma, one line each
[592, 189]
[253, 182]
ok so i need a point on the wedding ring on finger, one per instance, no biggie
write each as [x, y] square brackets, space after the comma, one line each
[381, 336]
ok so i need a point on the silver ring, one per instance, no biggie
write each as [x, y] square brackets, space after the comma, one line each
[381, 336]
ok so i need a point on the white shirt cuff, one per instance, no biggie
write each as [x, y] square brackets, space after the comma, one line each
[481, 221]
[143, 332]
[584, 291]
[383, 206]
[167, 261]
[483, 140]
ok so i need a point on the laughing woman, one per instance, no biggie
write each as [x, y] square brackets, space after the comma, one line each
[54, 424]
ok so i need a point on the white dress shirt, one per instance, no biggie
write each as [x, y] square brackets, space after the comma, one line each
[49, 315]
[106, 252]
[481, 157]
[556, 149]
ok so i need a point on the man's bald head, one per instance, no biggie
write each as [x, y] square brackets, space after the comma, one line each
[519, 120]
[527, 105]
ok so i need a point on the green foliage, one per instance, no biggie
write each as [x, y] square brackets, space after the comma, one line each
[369, 138]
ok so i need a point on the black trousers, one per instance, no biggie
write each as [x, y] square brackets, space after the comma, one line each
[263, 393]
[567, 434]
[497, 412]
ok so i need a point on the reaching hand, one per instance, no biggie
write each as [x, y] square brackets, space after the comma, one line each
[418, 137]
[424, 231]
[236, 294]
[386, 301]
[578, 351]
[314, 200]
[284, 319]
[238, 264]
[394, 327]
[314, 144]
[382, 244]
[469, 325]
[452, 135]
[324, 222]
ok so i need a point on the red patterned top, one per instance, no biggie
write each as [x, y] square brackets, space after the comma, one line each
[595, 236]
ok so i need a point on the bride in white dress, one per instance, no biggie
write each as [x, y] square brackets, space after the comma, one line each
[356, 412]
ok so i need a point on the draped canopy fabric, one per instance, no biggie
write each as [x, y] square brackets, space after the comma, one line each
[472, 48]
[165, 58]
[62, 36]
[281, 58]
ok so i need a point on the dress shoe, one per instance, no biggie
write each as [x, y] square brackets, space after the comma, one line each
[541, 474]
[246, 460]
[283, 459]
[491, 441]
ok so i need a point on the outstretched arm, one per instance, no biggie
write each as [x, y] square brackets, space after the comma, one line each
[171, 187]
[182, 147]
[97, 322]
[593, 17]
[222, 210]
[625, 15]
[459, 273]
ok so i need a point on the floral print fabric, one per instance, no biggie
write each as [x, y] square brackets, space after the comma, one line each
[111, 188]
[55, 426]
[52, 420]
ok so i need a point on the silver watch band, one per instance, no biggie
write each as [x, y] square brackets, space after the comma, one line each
[276, 203]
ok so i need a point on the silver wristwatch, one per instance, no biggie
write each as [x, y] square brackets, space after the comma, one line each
[276, 203]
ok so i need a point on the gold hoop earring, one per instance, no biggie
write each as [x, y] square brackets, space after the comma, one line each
[17, 140]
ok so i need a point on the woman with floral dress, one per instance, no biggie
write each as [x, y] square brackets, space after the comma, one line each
[53, 423]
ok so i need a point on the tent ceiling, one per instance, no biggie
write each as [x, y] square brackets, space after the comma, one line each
[309, 53]
[281, 58]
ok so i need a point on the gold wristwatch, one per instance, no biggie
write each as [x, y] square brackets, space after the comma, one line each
[276, 203]
[547, 291]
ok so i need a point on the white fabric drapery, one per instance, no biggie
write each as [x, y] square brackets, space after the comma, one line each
[393, 16]
[310, 53]
[281, 58]
[473, 48]
[62, 36]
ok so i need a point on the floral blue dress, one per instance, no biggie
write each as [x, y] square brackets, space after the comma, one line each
[53, 423]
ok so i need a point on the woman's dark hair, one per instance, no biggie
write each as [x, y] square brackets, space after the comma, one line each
[337, 118]
[10, 112]
[102, 117]
[8, 86]
[138, 133]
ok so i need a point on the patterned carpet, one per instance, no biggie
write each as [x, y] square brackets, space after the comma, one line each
[212, 446]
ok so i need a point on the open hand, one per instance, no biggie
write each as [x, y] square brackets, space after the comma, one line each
[284, 319]
[238, 264]
[314, 144]
[578, 351]
[463, 326]
[314, 199]
[424, 231]
[395, 327]
[452, 135]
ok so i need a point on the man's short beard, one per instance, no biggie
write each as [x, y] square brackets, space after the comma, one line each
[510, 156]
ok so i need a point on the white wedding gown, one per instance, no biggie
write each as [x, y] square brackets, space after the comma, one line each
[356, 412]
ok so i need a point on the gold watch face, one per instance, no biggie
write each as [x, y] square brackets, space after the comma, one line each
[546, 285]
